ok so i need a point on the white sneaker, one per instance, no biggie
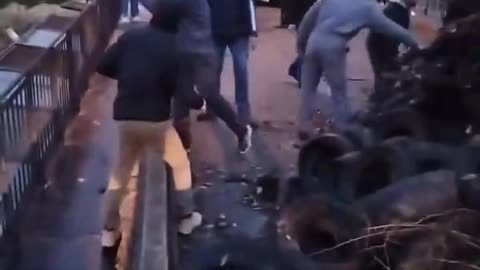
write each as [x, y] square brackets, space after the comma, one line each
[124, 19]
[136, 19]
[143, 9]
[245, 142]
[136, 170]
[109, 238]
[187, 225]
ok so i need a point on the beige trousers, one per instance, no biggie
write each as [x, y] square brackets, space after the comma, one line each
[135, 137]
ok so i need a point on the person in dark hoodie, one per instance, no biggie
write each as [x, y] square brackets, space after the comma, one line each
[383, 49]
[144, 61]
[199, 65]
[234, 27]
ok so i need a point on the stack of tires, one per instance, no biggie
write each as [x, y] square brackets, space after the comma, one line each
[359, 192]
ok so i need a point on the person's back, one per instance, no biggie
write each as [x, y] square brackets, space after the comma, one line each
[344, 17]
[195, 32]
[147, 75]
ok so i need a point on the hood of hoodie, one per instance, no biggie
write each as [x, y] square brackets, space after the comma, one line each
[168, 14]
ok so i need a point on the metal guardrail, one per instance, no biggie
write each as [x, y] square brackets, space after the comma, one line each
[153, 241]
[42, 79]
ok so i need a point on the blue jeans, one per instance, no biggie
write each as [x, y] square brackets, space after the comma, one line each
[133, 8]
[239, 48]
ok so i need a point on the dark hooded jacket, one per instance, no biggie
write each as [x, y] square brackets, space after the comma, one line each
[232, 18]
[384, 50]
[145, 63]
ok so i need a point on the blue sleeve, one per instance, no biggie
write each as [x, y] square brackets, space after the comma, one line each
[382, 24]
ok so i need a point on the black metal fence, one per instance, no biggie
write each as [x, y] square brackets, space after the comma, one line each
[42, 78]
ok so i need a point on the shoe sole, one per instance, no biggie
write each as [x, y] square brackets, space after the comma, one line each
[250, 132]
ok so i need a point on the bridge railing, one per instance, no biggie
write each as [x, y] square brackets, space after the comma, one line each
[42, 79]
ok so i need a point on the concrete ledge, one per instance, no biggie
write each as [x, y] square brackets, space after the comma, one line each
[150, 246]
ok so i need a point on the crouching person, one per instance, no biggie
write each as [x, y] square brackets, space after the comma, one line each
[144, 62]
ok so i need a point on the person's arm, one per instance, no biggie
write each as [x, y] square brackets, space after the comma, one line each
[189, 97]
[306, 26]
[108, 64]
[382, 24]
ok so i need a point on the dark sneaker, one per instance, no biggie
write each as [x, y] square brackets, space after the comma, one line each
[245, 142]
[204, 117]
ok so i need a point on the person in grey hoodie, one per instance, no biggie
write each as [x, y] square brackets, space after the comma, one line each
[322, 38]
[198, 68]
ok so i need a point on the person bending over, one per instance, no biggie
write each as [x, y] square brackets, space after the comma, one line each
[322, 38]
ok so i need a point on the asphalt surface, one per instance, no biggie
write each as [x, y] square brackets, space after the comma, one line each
[224, 177]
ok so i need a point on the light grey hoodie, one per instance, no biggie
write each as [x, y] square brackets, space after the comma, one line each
[344, 19]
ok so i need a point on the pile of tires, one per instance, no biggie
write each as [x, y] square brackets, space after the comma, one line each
[368, 201]
[401, 190]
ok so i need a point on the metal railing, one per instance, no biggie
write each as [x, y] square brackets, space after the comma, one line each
[42, 79]
[153, 241]
[435, 9]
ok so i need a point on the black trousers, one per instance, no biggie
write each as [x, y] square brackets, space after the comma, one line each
[201, 70]
[382, 86]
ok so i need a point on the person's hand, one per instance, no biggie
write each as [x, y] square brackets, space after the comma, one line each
[253, 43]
[409, 55]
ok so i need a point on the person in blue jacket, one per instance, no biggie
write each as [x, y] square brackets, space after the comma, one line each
[234, 28]
[322, 38]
